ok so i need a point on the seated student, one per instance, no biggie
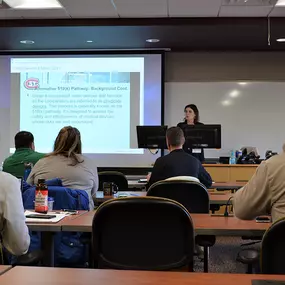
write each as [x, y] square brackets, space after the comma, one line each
[265, 192]
[67, 163]
[178, 162]
[15, 234]
[25, 153]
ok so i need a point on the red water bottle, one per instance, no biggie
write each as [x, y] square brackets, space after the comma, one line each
[41, 197]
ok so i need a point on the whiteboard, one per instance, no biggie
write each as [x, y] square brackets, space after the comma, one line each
[251, 114]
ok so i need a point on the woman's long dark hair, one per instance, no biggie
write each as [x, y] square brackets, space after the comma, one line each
[196, 111]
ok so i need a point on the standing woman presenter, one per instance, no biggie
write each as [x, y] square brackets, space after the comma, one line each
[191, 117]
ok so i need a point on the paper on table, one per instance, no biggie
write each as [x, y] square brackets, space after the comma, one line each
[53, 220]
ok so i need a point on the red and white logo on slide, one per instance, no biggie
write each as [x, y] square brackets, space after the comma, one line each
[32, 83]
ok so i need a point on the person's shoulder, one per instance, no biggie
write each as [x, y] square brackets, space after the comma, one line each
[161, 160]
[37, 155]
[8, 159]
[87, 161]
[190, 158]
[275, 161]
[181, 124]
[7, 178]
[6, 162]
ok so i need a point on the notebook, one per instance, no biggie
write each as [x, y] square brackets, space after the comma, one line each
[44, 221]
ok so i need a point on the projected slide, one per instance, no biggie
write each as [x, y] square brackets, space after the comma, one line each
[103, 97]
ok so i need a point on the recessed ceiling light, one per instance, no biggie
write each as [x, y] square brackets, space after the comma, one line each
[27, 42]
[226, 102]
[33, 4]
[234, 93]
[242, 83]
[89, 41]
[152, 40]
[280, 3]
[281, 40]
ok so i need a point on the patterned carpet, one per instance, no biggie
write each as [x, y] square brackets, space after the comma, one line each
[223, 256]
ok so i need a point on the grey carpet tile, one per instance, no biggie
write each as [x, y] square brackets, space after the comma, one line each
[223, 256]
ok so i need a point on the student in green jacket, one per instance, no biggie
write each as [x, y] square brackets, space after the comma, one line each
[25, 153]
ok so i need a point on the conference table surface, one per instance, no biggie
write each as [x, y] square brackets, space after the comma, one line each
[4, 268]
[216, 198]
[204, 224]
[76, 276]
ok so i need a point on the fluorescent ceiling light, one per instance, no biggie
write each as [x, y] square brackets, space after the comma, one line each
[234, 93]
[33, 4]
[89, 41]
[243, 83]
[27, 42]
[281, 40]
[152, 40]
[280, 3]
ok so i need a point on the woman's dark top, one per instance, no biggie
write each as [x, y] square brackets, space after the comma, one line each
[200, 156]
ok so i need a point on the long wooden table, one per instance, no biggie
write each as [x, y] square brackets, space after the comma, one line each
[4, 268]
[216, 198]
[72, 276]
[204, 224]
[134, 183]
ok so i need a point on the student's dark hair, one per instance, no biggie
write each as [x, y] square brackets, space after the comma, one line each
[175, 136]
[23, 139]
[68, 144]
[196, 111]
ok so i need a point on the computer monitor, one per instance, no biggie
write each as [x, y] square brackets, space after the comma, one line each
[202, 136]
[152, 137]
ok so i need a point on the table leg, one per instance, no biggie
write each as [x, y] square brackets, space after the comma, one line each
[47, 245]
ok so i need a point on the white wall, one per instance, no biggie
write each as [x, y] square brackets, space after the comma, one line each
[255, 117]
[265, 116]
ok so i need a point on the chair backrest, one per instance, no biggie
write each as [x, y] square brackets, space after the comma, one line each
[192, 195]
[142, 233]
[113, 176]
[273, 249]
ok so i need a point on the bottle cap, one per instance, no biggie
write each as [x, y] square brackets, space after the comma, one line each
[41, 181]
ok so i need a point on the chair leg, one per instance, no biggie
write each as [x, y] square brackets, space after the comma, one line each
[206, 253]
[191, 266]
[249, 269]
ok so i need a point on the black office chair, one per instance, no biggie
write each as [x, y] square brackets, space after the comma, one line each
[113, 176]
[142, 233]
[194, 197]
[272, 254]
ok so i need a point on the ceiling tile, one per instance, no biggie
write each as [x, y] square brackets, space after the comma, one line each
[90, 8]
[44, 14]
[245, 11]
[142, 8]
[250, 2]
[277, 12]
[194, 8]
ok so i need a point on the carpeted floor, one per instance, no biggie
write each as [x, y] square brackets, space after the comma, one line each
[223, 256]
